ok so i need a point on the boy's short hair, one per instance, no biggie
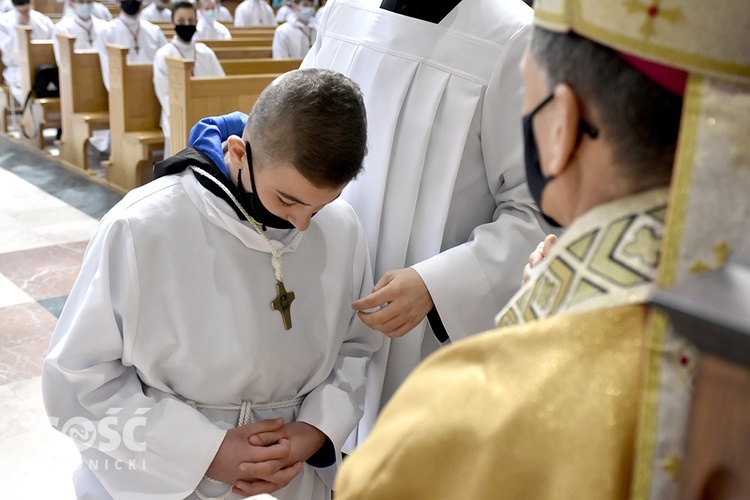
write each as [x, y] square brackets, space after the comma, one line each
[641, 118]
[182, 5]
[314, 119]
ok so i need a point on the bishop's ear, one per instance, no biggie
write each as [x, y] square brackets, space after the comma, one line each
[565, 123]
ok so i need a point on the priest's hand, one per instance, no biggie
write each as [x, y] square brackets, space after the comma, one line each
[237, 449]
[405, 300]
[304, 440]
[538, 255]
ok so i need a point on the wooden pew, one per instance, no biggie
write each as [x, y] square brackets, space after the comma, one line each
[191, 99]
[83, 100]
[49, 7]
[32, 54]
[239, 42]
[259, 66]
[243, 52]
[133, 120]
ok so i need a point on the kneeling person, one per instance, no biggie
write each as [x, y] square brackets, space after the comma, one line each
[215, 301]
[182, 46]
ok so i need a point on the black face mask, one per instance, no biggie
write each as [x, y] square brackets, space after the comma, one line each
[534, 175]
[251, 201]
[185, 32]
[130, 7]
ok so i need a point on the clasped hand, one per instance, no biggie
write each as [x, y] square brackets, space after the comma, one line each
[264, 457]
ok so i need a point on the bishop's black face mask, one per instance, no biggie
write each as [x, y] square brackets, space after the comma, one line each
[251, 201]
[534, 175]
[185, 31]
[130, 7]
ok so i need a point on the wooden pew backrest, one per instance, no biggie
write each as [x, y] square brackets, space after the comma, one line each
[191, 99]
[259, 66]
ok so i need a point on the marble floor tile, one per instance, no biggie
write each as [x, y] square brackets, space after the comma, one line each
[11, 294]
[44, 272]
[36, 460]
[24, 322]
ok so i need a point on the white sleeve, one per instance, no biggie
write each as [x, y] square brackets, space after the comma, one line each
[471, 282]
[94, 396]
[161, 80]
[102, 39]
[9, 45]
[216, 67]
[56, 44]
[280, 48]
[336, 405]
[240, 16]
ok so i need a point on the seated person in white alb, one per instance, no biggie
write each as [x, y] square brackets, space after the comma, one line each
[129, 30]
[168, 340]
[254, 13]
[41, 29]
[98, 11]
[183, 46]
[292, 40]
[157, 11]
[286, 12]
[81, 24]
[209, 28]
[223, 14]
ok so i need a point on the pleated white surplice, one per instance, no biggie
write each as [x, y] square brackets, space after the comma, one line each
[444, 187]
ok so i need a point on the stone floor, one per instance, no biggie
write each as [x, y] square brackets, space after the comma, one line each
[47, 215]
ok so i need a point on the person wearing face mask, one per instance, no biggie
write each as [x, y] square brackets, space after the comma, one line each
[209, 333]
[42, 28]
[81, 24]
[209, 28]
[254, 13]
[98, 10]
[141, 37]
[159, 10]
[182, 46]
[293, 39]
[223, 14]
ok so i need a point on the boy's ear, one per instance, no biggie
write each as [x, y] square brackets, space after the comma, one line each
[236, 150]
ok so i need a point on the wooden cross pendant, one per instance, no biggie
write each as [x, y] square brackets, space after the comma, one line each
[283, 304]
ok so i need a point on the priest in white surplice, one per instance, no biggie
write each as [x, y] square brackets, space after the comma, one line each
[129, 30]
[443, 199]
[205, 304]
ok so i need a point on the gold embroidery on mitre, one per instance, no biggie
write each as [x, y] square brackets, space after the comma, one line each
[721, 253]
[671, 465]
[653, 10]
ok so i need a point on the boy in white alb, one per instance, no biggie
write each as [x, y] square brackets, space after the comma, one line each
[293, 39]
[98, 10]
[254, 13]
[129, 30]
[157, 11]
[209, 28]
[183, 46]
[215, 301]
[223, 14]
[81, 24]
[42, 28]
